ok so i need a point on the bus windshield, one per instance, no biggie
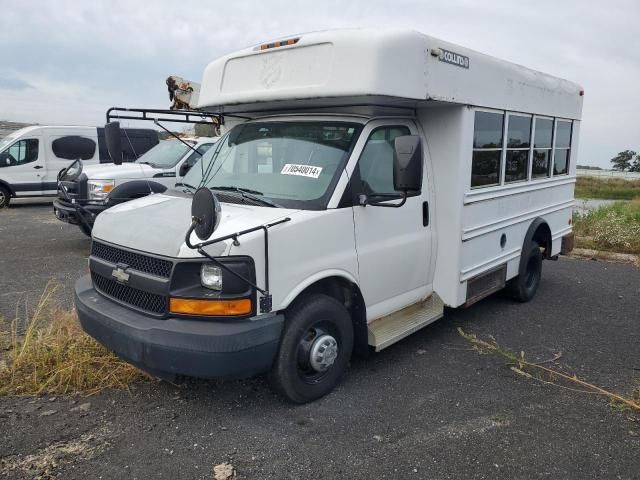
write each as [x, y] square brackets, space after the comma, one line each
[292, 164]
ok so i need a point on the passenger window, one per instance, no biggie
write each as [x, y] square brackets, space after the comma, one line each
[74, 147]
[562, 150]
[487, 149]
[518, 144]
[542, 144]
[20, 153]
[376, 161]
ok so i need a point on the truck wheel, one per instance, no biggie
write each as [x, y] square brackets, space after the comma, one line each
[315, 349]
[5, 197]
[523, 287]
[84, 229]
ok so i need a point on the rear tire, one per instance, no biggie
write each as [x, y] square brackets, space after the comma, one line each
[524, 287]
[5, 197]
[315, 349]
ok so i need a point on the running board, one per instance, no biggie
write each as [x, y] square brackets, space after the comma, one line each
[388, 330]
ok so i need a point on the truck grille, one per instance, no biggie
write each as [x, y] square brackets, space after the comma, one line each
[137, 261]
[149, 302]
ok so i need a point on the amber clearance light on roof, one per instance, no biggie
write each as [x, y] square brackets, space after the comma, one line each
[189, 306]
[281, 43]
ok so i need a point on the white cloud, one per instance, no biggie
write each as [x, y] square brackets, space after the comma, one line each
[82, 57]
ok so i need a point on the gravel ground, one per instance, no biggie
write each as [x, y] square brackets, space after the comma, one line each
[427, 407]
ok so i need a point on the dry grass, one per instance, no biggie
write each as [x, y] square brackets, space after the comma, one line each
[538, 371]
[54, 356]
[614, 228]
[609, 188]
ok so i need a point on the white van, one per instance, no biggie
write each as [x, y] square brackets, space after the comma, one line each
[32, 157]
[86, 190]
[382, 176]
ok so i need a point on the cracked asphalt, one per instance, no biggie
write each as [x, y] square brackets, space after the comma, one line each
[429, 407]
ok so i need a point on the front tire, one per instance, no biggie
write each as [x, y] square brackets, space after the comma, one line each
[5, 197]
[84, 229]
[524, 287]
[315, 349]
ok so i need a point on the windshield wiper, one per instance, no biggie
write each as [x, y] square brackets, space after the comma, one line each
[248, 193]
[182, 184]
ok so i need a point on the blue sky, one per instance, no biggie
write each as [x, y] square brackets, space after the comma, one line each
[68, 61]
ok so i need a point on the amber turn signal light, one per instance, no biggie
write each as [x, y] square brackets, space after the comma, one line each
[212, 308]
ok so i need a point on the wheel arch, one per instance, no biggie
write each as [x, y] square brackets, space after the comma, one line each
[539, 232]
[343, 287]
[6, 185]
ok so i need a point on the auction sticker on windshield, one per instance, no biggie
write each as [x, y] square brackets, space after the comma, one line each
[301, 170]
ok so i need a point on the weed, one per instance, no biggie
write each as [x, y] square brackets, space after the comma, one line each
[609, 188]
[613, 228]
[537, 371]
[54, 356]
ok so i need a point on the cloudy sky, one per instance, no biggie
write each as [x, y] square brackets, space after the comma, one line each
[67, 61]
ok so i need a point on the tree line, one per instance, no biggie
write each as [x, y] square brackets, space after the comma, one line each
[626, 161]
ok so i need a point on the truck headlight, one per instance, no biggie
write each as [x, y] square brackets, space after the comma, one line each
[211, 276]
[99, 189]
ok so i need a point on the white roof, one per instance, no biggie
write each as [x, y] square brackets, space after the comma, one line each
[401, 67]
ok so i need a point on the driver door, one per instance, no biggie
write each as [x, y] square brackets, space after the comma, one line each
[393, 244]
[22, 166]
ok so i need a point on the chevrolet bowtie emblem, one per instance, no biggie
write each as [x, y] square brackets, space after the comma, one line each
[120, 274]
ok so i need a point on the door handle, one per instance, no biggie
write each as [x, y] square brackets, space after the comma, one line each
[425, 214]
[38, 167]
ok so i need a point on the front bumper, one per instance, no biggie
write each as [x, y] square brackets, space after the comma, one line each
[73, 214]
[170, 347]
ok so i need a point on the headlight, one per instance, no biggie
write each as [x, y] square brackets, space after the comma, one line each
[211, 276]
[99, 189]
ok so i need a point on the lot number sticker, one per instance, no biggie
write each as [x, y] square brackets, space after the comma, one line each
[301, 170]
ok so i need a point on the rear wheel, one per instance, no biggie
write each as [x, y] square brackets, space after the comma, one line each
[315, 349]
[5, 197]
[523, 287]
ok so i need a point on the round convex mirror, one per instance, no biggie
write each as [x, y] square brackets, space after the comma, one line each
[205, 211]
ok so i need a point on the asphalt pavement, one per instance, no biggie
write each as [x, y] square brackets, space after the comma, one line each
[429, 407]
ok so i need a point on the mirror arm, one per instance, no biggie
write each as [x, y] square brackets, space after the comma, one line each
[364, 201]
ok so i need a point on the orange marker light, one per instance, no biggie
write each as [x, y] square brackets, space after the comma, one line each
[189, 306]
[281, 43]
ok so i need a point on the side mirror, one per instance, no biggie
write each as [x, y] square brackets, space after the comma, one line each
[184, 168]
[113, 140]
[407, 163]
[205, 213]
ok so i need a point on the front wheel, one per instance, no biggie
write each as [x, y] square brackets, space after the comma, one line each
[85, 229]
[5, 197]
[523, 287]
[315, 349]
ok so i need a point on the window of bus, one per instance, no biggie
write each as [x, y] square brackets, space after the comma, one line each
[562, 147]
[518, 146]
[542, 145]
[487, 149]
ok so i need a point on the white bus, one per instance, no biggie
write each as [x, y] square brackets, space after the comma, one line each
[367, 179]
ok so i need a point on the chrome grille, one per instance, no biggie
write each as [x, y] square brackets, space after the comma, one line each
[149, 302]
[137, 261]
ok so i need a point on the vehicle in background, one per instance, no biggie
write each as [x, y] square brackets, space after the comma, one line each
[31, 158]
[378, 176]
[86, 190]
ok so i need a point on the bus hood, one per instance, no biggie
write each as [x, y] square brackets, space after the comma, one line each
[158, 223]
[111, 171]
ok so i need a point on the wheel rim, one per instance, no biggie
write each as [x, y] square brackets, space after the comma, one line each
[318, 350]
[3, 198]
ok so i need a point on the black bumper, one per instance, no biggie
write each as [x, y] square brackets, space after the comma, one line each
[71, 213]
[170, 347]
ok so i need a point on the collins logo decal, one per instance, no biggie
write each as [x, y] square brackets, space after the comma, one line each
[452, 57]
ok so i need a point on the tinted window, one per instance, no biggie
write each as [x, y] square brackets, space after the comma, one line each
[73, 147]
[21, 152]
[485, 168]
[563, 134]
[519, 135]
[516, 165]
[540, 167]
[561, 162]
[488, 130]
[544, 130]
[376, 161]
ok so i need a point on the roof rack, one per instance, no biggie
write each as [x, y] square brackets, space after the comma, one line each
[158, 115]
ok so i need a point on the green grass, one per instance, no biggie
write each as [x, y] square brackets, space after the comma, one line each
[608, 188]
[614, 228]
